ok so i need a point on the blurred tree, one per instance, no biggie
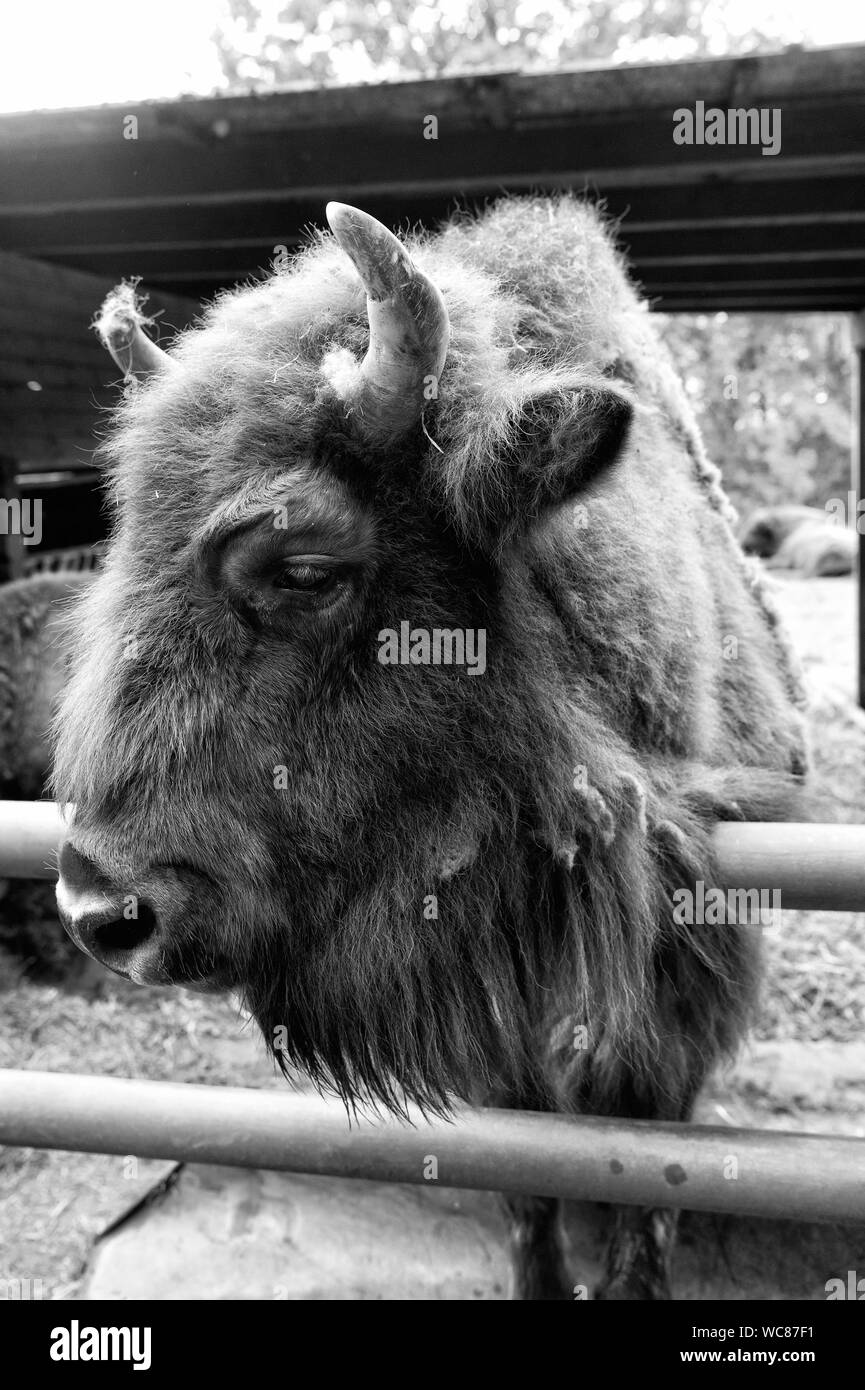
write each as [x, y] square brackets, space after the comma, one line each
[325, 41]
[772, 392]
[772, 396]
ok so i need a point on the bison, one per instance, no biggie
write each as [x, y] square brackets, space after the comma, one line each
[428, 881]
[35, 650]
[817, 551]
[800, 538]
[767, 528]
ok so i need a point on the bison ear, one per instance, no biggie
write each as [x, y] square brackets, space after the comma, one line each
[562, 441]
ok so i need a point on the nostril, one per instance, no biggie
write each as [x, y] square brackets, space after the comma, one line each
[128, 921]
[79, 873]
[121, 934]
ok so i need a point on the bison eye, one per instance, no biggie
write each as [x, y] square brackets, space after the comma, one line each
[305, 578]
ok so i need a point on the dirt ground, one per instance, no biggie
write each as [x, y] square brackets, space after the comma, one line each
[816, 961]
[54, 1205]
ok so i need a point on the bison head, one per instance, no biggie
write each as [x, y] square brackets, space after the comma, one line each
[281, 784]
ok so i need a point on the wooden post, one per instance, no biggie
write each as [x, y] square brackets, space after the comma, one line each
[11, 545]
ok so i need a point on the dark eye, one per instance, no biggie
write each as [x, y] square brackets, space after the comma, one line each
[304, 578]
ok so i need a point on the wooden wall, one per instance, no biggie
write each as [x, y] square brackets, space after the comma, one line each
[55, 377]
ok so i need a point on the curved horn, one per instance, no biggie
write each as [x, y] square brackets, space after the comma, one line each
[408, 325]
[120, 326]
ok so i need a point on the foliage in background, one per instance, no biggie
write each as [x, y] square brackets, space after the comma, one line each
[772, 392]
[264, 42]
[772, 395]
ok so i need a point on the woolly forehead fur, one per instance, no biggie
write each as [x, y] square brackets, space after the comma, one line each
[535, 292]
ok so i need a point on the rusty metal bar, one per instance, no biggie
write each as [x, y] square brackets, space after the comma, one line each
[749, 1172]
[812, 866]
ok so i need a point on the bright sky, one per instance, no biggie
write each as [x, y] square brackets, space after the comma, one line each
[83, 52]
[57, 53]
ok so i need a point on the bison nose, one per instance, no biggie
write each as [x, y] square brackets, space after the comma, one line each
[116, 927]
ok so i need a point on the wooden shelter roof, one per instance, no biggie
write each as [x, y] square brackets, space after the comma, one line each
[210, 187]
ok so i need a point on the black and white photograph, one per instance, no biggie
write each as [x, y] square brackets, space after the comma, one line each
[432, 673]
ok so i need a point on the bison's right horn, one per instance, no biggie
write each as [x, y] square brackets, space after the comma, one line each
[120, 326]
[408, 326]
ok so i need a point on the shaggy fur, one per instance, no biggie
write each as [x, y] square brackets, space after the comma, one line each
[555, 494]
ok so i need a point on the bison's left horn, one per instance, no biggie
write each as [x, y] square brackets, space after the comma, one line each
[408, 327]
[120, 325]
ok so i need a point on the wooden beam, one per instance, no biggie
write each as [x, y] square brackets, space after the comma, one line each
[719, 203]
[489, 168]
[211, 186]
[647, 249]
[11, 544]
[495, 100]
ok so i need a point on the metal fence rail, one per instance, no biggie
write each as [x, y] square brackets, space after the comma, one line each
[749, 1172]
[811, 865]
[75, 559]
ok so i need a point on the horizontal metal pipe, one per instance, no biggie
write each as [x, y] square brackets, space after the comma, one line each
[811, 866]
[749, 1172]
[30, 835]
